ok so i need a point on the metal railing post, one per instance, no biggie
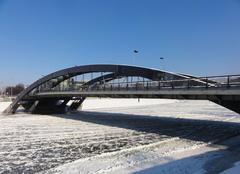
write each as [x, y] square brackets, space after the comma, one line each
[188, 85]
[206, 82]
[228, 82]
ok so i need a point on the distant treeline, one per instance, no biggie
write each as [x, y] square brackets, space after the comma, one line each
[14, 90]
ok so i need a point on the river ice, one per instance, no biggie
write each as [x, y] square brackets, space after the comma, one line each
[122, 136]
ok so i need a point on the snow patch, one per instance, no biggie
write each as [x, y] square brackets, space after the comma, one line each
[4, 105]
[98, 103]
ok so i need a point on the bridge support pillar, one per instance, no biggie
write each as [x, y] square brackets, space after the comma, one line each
[27, 105]
[33, 106]
[49, 106]
[76, 104]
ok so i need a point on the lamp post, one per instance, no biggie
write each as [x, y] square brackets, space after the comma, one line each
[135, 52]
[11, 91]
[162, 59]
[2, 88]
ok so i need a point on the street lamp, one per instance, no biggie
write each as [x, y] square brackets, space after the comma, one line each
[135, 52]
[162, 59]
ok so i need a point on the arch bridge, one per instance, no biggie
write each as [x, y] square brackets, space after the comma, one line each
[65, 90]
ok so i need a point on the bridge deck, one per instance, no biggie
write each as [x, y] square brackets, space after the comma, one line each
[201, 93]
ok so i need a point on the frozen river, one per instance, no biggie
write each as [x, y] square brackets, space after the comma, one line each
[120, 136]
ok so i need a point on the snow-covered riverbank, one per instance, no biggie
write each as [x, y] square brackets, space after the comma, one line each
[150, 136]
[4, 105]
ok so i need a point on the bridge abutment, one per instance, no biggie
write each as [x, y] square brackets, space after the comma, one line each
[48, 106]
[233, 105]
[52, 105]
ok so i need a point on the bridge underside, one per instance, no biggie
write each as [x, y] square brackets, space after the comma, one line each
[57, 104]
[52, 105]
[231, 105]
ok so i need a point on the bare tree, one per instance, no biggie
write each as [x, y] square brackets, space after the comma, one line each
[14, 90]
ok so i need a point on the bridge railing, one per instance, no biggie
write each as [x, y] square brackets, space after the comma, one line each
[226, 82]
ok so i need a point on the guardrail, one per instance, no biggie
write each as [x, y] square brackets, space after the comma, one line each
[226, 81]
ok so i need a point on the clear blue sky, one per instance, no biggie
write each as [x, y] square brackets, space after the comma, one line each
[41, 36]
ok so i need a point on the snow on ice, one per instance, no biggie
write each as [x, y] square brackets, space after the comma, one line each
[123, 136]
